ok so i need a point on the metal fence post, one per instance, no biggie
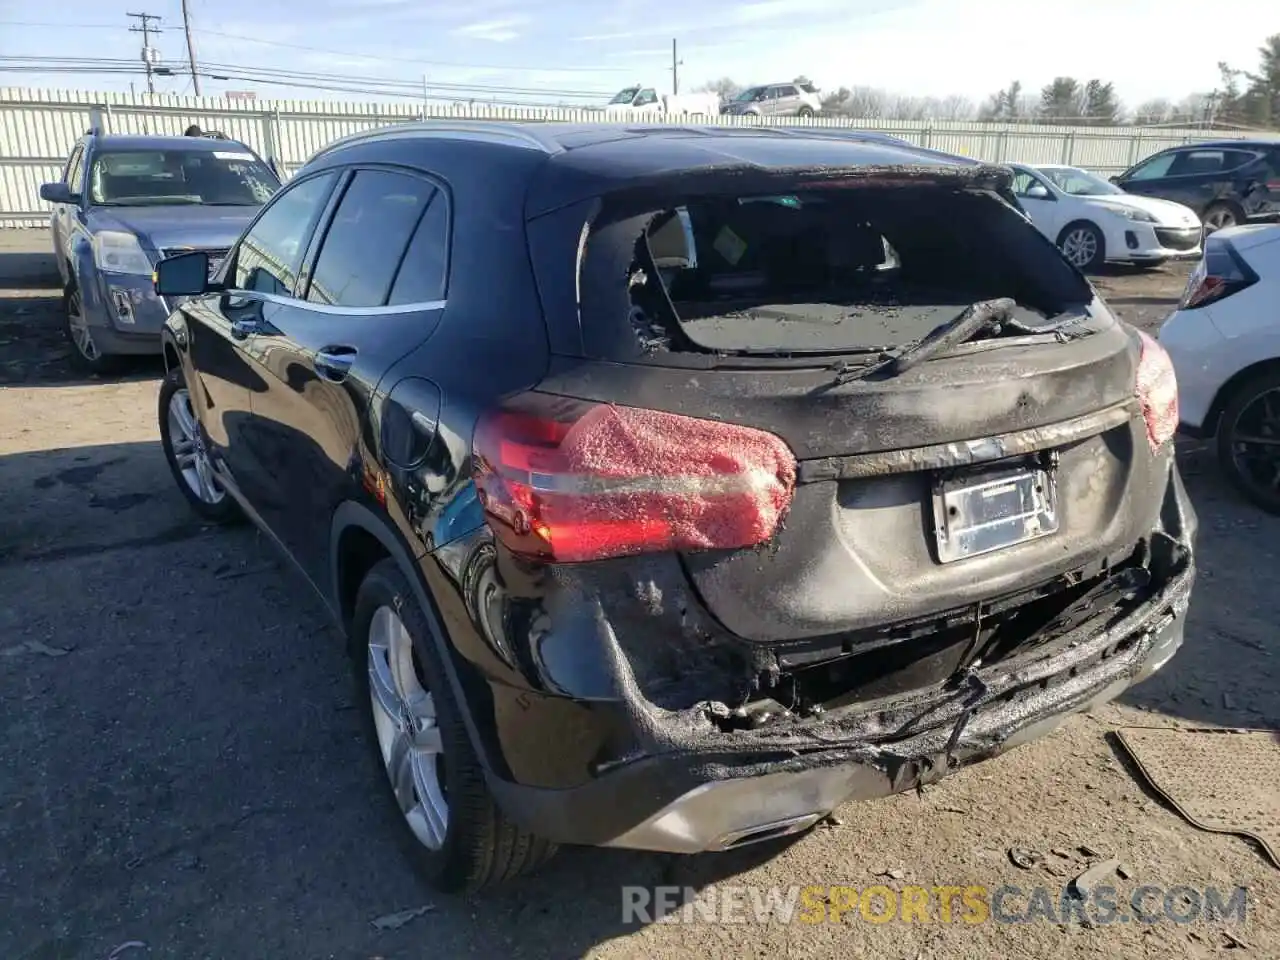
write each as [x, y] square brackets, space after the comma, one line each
[270, 141]
[1135, 148]
[926, 138]
[1069, 148]
[98, 118]
[1002, 142]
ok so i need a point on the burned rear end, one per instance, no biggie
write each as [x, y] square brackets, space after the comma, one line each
[841, 479]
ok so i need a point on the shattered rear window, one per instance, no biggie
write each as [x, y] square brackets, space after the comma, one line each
[819, 270]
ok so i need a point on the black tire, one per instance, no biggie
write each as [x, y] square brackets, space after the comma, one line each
[805, 112]
[1084, 227]
[481, 847]
[224, 511]
[1221, 215]
[1242, 398]
[85, 357]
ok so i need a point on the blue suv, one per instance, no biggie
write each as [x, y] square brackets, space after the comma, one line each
[126, 202]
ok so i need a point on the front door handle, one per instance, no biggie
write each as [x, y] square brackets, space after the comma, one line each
[334, 363]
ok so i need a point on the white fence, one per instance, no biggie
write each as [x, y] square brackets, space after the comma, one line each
[38, 128]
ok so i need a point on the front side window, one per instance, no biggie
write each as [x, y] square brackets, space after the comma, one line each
[367, 238]
[268, 257]
[232, 177]
[625, 95]
[1158, 166]
[1023, 181]
[647, 96]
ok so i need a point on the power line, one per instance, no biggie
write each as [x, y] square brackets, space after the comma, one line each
[431, 63]
[149, 55]
[216, 69]
[304, 80]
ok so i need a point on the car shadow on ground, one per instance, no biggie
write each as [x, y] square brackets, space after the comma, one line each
[185, 758]
[1228, 670]
[35, 351]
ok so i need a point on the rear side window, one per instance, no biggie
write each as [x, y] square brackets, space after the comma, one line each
[820, 270]
[367, 238]
[1192, 162]
[268, 257]
[422, 274]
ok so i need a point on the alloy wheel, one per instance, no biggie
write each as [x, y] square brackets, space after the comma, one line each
[1255, 443]
[404, 715]
[189, 451]
[79, 327]
[1080, 246]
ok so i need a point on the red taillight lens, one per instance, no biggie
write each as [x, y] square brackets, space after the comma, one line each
[571, 481]
[1157, 390]
[1220, 273]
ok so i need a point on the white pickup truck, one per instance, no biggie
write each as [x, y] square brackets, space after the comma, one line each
[646, 100]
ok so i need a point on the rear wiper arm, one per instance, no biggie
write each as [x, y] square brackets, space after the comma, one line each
[970, 321]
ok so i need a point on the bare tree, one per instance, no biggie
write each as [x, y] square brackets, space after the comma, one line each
[724, 88]
[955, 107]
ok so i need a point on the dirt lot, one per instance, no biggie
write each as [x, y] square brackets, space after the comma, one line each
[182, 776]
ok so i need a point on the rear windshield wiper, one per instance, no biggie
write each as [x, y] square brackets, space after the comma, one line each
[969, 322]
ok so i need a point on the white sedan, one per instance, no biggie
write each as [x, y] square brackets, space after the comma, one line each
[1093, 221]
[1224, 341]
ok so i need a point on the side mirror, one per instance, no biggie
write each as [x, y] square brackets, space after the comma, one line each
[1115, 179]
[186, 275]
[57, 193]
[1038, 191]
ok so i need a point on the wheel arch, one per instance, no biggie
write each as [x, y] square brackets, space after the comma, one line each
[358, 540]
[1220, 399]
[1080, 222]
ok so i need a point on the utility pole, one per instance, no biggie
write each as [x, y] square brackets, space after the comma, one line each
[675, 69]
[148, 52]
[191, 47]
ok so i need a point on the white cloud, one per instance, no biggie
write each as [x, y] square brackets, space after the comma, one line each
[497, 31]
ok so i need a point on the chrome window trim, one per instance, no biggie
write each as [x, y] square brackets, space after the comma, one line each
[336, 310]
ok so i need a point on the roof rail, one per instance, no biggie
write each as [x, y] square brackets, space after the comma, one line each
[508, 130]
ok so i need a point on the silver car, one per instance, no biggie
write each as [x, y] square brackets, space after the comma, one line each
[775, 100]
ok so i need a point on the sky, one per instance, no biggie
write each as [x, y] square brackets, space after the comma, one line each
[1147, 48]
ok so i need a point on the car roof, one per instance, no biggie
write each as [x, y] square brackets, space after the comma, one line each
[156, 142]
[1241, 142]
[582, 160]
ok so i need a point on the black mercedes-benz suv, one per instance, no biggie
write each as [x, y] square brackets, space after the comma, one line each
[675, 485]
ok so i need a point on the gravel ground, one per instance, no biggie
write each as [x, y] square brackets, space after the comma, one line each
[182, 774]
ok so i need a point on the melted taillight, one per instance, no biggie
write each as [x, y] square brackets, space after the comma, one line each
[1157, 390]
[570, 481]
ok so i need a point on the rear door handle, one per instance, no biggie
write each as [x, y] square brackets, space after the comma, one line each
[334, 363]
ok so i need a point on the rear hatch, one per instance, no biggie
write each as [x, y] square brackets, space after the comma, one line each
[960, 404]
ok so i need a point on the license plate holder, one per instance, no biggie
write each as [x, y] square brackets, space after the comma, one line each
[980, 512]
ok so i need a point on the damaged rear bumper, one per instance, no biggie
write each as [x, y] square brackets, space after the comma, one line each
[709, 789]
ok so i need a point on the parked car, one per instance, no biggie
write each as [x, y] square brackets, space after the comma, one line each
[669, 491]
[1094, 221]
[775, 100]
[1224, 340]
[123, 203]
[641, 101]
[1226, 182]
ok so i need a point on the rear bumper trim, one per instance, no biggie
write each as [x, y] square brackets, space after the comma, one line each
[966, 452]
[718, 791]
